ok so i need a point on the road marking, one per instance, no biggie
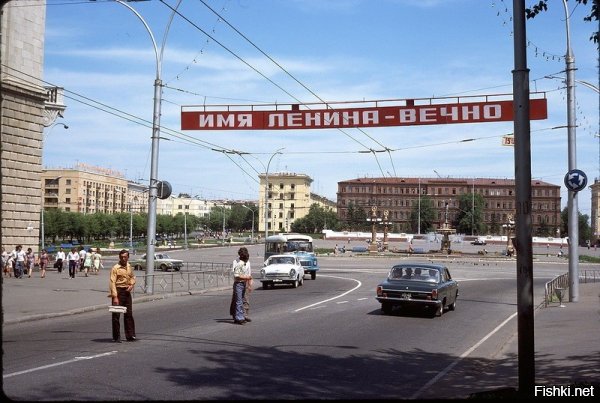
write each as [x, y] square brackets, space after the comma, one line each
[76, 359]
[336, 297]
[456, 361]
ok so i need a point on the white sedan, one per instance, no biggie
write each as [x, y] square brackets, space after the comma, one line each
[282, 269]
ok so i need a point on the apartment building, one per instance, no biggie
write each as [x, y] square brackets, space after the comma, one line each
[288, 198]
[89, 189]
[400, 196]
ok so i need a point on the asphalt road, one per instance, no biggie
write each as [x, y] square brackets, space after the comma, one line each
[325, 340]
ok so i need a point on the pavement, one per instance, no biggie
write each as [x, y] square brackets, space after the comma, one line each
[567, 339]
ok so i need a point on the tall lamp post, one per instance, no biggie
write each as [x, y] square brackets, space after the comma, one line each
[573, 210]
[246, 207]
[153, 185]
[267, 191]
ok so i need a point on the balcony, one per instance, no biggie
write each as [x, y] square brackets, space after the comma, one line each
[54, 105]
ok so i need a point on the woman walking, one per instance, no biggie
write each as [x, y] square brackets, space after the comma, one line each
[43, 260]
[29, 261]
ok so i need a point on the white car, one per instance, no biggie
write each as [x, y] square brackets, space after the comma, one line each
[282, 269]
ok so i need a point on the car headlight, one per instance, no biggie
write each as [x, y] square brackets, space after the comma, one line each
[263, 273]
[292, 272]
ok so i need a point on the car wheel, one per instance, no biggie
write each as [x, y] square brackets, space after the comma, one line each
[301, 281]
[295, 283]
[439, 310]
[265, 285]
[313, 275]
[163, 267]
[137, 267]
[386, 308]
[452, 306]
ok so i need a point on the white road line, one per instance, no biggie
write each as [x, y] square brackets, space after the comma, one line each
[76, 359]
[456, 361]
[331, 299]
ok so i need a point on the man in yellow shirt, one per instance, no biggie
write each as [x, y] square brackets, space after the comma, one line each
[122, 281]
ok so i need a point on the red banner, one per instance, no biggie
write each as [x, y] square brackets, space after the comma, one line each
[378, 116]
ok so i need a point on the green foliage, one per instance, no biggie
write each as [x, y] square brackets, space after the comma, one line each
[585, 231]
[317, 219]
[427, 216]
[542, 6]
[470, 214]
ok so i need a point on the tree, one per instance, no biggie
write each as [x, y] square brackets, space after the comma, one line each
[585, 232]
[426, 213]
[470, 214]
[542, 6]
[315, 221]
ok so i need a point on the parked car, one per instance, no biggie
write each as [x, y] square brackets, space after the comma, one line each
[282, 269]
[162, 261]
[418, 285]
[478, 242]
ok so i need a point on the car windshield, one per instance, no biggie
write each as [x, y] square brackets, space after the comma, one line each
[282, 260]
[415, 274]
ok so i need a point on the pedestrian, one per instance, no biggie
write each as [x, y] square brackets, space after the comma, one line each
[29, 261]
[96, 261]
[73, 261]
[122, 281]
[60, 258]
[242, 285]
[5, 267]
[19, 258]
[10, 265]
[43, 261]
[82, 254]
[87, 263]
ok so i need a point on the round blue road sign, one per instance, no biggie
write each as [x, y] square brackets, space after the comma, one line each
[575, 180]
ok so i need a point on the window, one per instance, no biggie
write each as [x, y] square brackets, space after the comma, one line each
[68, 182]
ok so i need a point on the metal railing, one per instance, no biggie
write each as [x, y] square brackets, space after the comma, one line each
[196, 276]
[561, 283]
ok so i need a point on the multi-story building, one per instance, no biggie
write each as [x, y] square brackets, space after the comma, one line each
[400, 196]
[288, 198]
[27, 107]
[89, 189]
[595, 211]
[186, 205]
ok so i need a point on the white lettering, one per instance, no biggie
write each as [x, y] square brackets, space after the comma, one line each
[225, 121]
[245, 120]
[276, 120]
[331, 118]
[427, 115]
[452, 112]
[492, 112]
[470, 111]
[312, 119]
[371, 117]
[294, 119]
[351, 118]
[206, 121]
[407, 116]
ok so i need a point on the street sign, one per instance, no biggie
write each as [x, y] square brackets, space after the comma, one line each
[508, 140]
[575, 180]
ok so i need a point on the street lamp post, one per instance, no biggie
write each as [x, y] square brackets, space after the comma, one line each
[573, 210]
[267, 192]
[373, 220]
[419, 217]
[153, 185]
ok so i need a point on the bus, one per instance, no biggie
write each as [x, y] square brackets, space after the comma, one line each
[298, 244]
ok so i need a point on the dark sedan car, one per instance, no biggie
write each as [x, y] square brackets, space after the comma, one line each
[418, 285]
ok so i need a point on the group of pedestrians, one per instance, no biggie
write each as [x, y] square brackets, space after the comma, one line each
[21, 263]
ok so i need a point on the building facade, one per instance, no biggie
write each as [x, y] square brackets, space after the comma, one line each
[89, 189]
[288, 198]
[401, 196]
[26, 108]
[595, 211]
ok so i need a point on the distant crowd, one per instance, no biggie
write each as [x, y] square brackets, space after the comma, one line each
[19, 263]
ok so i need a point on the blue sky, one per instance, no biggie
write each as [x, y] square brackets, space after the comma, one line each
[341, 50]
